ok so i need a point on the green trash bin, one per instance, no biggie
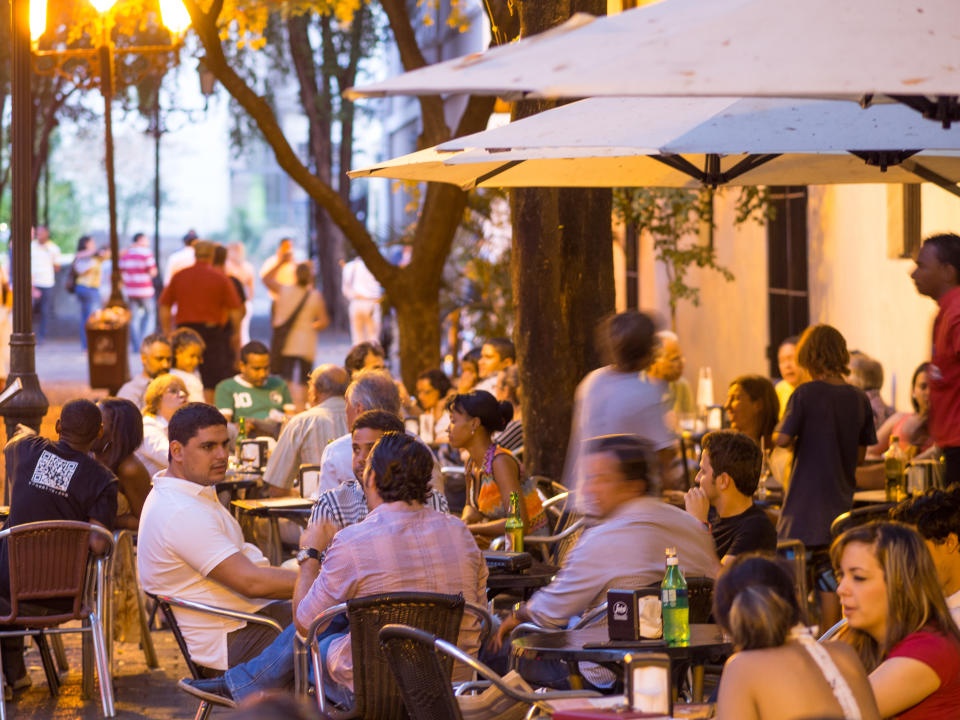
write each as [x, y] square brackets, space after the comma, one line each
[107, 342]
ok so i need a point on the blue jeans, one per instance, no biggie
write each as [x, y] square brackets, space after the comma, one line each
[274, 667]
[42, 308]
[89, 299]
[142, 316]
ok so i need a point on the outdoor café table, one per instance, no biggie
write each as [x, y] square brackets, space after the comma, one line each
[706, 646]
[523, 581]
[291, 508]
[239, 482]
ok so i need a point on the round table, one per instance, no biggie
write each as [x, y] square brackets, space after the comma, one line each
[524, 581]
[707, 645]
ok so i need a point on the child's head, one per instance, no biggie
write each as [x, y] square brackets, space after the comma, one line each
[823, 351]
[188, 349]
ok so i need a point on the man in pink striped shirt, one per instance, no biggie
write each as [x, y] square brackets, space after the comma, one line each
[401, 546]
[137, 270]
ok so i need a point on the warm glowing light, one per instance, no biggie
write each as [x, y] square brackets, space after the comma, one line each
[102, 6]
[38, 19]
[174, 15]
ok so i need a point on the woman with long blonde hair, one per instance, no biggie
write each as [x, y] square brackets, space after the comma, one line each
[898, 621]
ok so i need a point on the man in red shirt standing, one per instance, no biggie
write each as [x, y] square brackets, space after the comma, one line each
[137, 269]
[937, 275]
[208, 303]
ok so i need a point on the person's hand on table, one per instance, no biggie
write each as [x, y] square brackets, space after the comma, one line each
[318, 535]
[697, 503]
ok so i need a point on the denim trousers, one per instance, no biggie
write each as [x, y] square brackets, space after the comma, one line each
[142, 311]
[274, 667]
[89, 299]
[42, 309]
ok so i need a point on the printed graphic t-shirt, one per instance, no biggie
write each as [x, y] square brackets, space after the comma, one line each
[52, 481]
[236, 398]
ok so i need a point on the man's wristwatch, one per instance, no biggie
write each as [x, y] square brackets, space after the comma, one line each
[306, 553]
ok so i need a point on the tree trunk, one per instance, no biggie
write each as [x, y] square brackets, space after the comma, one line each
[562, 283]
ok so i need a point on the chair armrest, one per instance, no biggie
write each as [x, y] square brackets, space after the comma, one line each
[547, 539]
[498, 542]
[591, 616]
[222, 612]
[554, 500]
[524, 629]
[322, 619]
[508, 690]
[452, 470]
[833, 631]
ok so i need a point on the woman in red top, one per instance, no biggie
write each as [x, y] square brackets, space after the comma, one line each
[898, 621]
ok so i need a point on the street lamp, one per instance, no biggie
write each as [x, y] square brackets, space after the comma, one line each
[30, 405]
[174, 16]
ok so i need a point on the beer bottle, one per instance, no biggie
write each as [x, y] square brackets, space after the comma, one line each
[514, 526]
[676, 607]
[894, 466]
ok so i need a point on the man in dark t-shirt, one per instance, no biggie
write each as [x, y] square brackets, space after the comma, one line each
[730, 468]
[53, 481]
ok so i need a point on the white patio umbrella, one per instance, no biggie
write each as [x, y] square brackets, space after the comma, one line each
[690, 142]
[850, 49]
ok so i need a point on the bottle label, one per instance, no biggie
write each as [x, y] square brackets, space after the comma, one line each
[668, 596]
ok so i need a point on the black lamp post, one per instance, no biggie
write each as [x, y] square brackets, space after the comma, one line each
[30, 405]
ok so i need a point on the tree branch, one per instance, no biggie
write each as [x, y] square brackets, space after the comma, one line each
[435, 128]
[205, 25]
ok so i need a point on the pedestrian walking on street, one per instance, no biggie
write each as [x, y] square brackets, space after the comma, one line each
[138, 268]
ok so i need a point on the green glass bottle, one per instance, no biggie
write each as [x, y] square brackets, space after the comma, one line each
[241, 430]
[514, 526]
[676, 607]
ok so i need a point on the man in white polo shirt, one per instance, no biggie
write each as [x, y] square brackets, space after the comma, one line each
[191, 547]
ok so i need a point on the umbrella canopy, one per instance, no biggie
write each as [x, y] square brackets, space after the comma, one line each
[853, 49]
[691, 142]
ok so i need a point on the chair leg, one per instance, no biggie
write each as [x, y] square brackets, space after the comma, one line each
[49, 669]
[300, 670]
[87, 660]
[146, 639]
[101, 652]
[59, 654]
[3, 701]
[203, 712]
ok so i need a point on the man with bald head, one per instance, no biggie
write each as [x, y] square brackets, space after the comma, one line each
[307, 435]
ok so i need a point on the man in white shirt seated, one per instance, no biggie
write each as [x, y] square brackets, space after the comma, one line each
[936, 516]
[625, 550]
[191, 547]
[306, 436]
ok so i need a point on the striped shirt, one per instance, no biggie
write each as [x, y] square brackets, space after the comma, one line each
[398, 548]
[136, 264]
[347, 505]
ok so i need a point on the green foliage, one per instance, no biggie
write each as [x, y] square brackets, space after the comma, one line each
[674, 218]
[477, 274]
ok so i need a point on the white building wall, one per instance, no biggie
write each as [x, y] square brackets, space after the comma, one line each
[865, 294]
[853, 285]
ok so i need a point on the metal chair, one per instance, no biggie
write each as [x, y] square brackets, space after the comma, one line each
[124, 543]
[859, 516]
[62, 549]
[567, 527]
[833, 631]
[422, 665]
[166, 604]
[794, 553]
[375, 691]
